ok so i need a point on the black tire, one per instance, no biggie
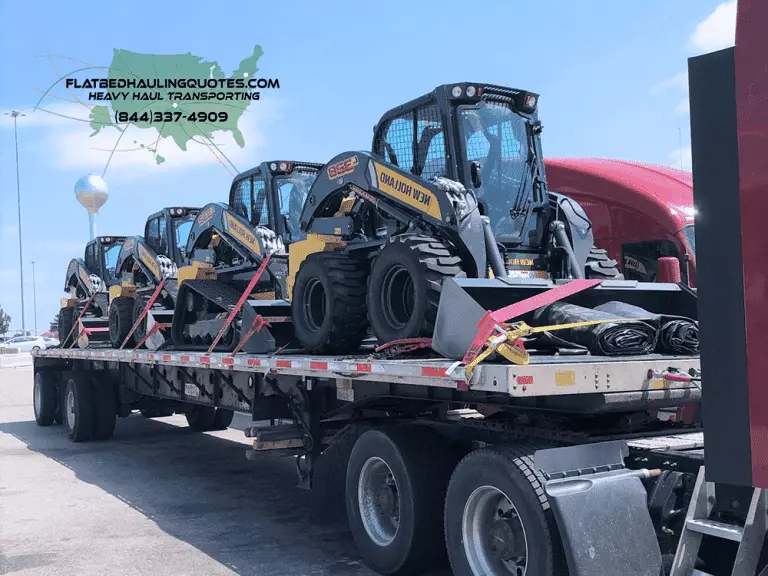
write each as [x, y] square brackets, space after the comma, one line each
[138, 307]
[512, 473]
[120, 321]
[404, 286]
[45, 398]
[222, 419]
[67, 318]
[104, 409]
[600, 266]
[78, 412]
[200, 418]
[328, 303]
[419, 466]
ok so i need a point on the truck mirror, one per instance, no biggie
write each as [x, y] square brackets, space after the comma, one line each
[474, 171]
[287, 228]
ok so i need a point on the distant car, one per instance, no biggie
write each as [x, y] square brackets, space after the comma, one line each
[27, 343]
[51, 341]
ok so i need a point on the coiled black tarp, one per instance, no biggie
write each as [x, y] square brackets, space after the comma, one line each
[677, 334]
[607, 339]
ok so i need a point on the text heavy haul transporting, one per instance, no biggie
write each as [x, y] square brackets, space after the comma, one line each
[381, 415]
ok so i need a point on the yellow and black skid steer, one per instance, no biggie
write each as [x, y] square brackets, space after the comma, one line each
[454, 189]
[83, 313]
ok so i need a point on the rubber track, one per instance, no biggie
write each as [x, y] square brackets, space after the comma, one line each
[440, 263]
[599, 265]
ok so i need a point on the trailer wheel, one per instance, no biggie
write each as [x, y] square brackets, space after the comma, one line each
[120, 321]
[497, 517]
[328, 303]
[200, 418]
[67, 317]
[45, 398]
[404, 286]
[105, 409]
[78, 409]
[156, 412]
[396, 481]
[222, 419]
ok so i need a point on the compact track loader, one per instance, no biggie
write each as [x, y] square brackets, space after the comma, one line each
[83, 314]
[454, 189]
[236, 282]
[146, 269]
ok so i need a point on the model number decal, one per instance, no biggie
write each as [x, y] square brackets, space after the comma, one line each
[342, 168]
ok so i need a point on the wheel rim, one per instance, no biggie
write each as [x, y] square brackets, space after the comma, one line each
[71, 409]
[379, 501]
[314, 304]
[38, 397]
[493, 534]
[397, 296]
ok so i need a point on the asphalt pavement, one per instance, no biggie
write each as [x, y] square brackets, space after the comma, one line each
[155, 500]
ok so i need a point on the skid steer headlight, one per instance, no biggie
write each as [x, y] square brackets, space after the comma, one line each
[273, 166]
[456, 91]
[283, 166]
[471, 91]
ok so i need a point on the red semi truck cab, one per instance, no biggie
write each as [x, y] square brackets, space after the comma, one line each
[639, 212]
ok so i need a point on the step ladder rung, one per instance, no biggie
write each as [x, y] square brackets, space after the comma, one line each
[716, 529]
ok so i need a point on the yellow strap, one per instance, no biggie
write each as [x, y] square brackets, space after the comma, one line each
[500, 342]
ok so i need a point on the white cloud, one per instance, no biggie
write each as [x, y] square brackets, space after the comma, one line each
[683, 107]
[67, 142]
[716, 31]
[683, 154]
[678, 81]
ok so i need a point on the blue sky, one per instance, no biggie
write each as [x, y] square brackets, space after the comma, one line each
[611, 77]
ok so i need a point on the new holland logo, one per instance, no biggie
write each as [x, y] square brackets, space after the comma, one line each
[408, 191]
[242, 233]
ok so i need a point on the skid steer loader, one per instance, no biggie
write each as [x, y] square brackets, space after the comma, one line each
[83, 313]
[236, 281]
[146, 269]
[452, 201]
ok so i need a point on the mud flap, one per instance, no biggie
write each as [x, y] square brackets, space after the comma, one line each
[464, 302]
[601, 510]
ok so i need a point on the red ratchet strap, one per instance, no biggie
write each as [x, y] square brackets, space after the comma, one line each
[157, 326]
[489, 322]
[258, 323]
[76, 322]
[151, 301]
[240, 302]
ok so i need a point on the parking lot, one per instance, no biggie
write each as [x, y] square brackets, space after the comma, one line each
[157, 499]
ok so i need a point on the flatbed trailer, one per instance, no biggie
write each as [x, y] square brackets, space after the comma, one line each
[505, 466]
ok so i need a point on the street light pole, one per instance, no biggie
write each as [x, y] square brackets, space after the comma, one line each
[34, 294]
[15, 114]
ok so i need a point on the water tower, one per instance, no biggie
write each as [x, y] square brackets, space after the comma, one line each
[92, 192]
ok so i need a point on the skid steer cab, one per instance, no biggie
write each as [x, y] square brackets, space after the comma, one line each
[141, 304]
[454, 189]
[233, 294]
[84, 309]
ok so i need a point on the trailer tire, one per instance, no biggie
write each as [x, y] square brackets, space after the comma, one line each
[200, 418]
[404, 469]
[45, 398]
[156, 412]
[222, 419]
[120, 321]
[78, 408]
[328, 304]
[105, 409]
[600, 266]
[485, 482]
[67, 317]
[404, 286]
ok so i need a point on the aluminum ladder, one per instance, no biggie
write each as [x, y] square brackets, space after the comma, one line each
[698, 523]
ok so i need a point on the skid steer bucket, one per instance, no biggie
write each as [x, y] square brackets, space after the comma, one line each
[465, 303]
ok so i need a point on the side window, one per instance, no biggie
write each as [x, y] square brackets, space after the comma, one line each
[640, 259]
[153, 234]
[241, 198]
[398, 139]
[430, 145]
[260, 204]
[162, 245]
[90, 259]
